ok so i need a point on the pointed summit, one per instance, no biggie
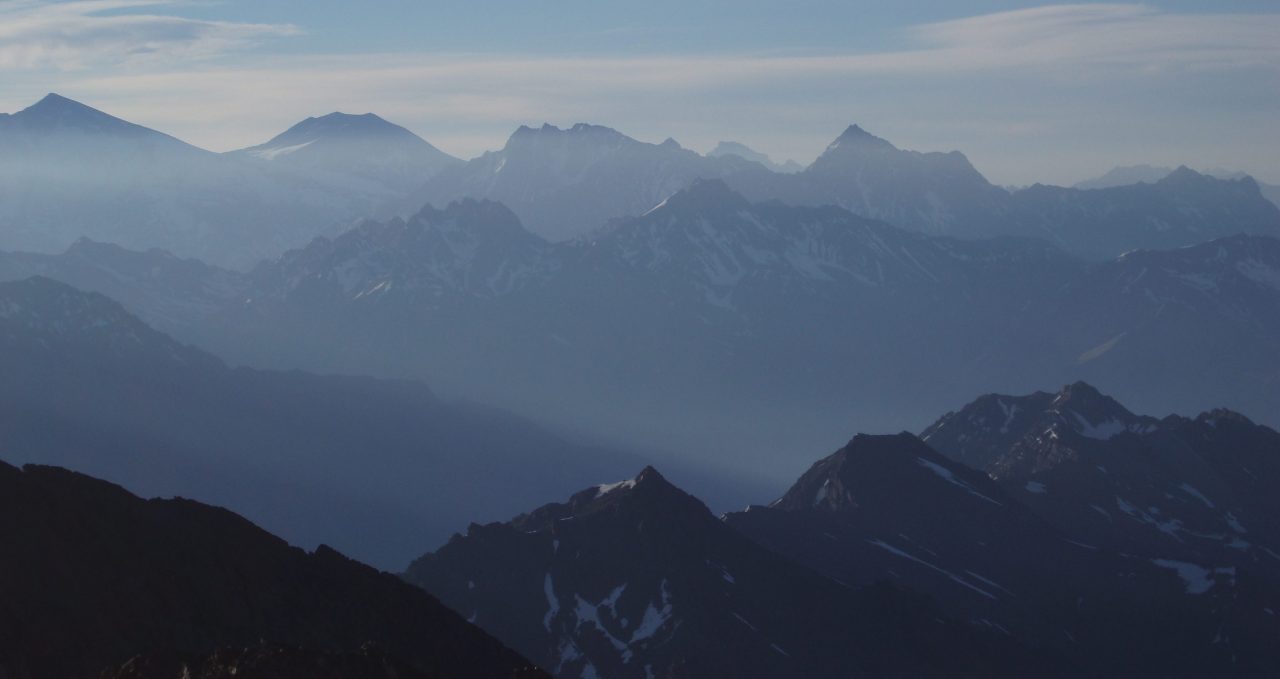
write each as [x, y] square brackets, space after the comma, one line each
[56, 113]
[645, 498]
[884, 471]
[856, 137]
[56, 105]
[644, 581]
[650, 475]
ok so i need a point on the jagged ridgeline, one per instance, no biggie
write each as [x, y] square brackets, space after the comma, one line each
[1116, 544]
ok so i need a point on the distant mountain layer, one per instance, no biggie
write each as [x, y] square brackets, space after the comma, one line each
[567, 183]
[564, 183]
[69, 171]
[733, 148]
[704, 297]
[1124, 176]
[1133, 174]
[375, 468]
[92, 576]
[691, 315]
[353, 149]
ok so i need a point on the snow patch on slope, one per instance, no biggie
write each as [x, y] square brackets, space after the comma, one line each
[947, 476]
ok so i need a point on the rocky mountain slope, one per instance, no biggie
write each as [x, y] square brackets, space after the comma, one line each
[93, 575]
[639, 579]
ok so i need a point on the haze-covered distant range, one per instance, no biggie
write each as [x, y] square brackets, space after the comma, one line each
[746, 309]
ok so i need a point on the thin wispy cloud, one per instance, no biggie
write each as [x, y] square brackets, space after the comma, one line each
[1125, 35]
[88, 34]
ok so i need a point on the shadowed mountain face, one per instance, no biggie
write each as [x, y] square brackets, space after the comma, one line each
[1192, 490]
[102, 576]
[373, 467]
[629, 578]
[892, 508]
[639, 579]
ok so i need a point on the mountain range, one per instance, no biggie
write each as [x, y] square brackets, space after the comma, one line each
[564, 183]
[733, 148]
[639, 579]
[1051, 534]
[69, 171]
[1133, 174]
[622, 577]
[692, 315]
[372, 467]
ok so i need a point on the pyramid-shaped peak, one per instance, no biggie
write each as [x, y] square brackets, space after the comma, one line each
[648, 481]
[55, 114]
[1083, 394]
[880, 468]
[651, 478]
[54, 103]
[55, 110]
[646, 496]
[856, 137]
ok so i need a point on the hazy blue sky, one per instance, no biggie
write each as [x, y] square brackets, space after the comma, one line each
[1030, 91]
